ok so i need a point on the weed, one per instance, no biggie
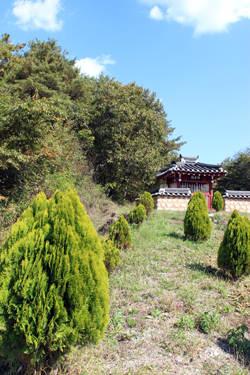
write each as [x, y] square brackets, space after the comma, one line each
[237, 339]
[185, 322]
[155, 314]
[228, 308]
[133, 311]
[131, 322]
[208, 321]
[117, 320]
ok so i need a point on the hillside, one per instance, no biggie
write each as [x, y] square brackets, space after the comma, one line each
[171, 308]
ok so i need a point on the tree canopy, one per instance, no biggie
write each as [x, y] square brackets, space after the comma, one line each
[238, 176]
[122, 131]
[131, 137]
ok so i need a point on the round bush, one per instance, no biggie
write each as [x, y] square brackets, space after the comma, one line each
[137, 215]
[234, 251]
[217, 201]
[53, 282]
[197, 224]
[111, 254]
[119, 233]
[147, 201]
[200, 199]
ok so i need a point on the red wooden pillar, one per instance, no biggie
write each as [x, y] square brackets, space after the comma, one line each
[211, 192]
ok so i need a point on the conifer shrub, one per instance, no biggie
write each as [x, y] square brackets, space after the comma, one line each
[217, 201]
[111, 254]
[119, 233]
[234, 250]
[53, 282]
[197, 224]
[200, 198]
[137, 214]
[147, 201]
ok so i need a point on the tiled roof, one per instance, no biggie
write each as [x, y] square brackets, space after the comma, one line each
[191, 164]
[189, 159]
[236, 194]
[172, 191]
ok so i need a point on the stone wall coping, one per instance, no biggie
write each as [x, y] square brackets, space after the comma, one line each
[172, 192]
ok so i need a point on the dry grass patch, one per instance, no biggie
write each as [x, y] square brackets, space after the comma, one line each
[171, 307]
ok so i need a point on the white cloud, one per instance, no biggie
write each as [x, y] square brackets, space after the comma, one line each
[38, 14]
[94, 67]
[156, 13]
[205, 16]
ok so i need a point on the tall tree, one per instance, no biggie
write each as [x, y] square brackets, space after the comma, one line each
[131, 137]
[238, 176]
[45, 71]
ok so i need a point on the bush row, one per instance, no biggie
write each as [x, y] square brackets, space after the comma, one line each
[54, 279]
[234, 251]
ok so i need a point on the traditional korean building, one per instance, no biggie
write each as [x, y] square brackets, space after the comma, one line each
[189, 173]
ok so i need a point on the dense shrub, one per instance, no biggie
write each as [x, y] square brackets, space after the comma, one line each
[53, 282]
[111, 254]
[234, 251]
[200, 199]
[137, 214]
[119, 233]
[147, 201]
[217, 201]
[197, 224]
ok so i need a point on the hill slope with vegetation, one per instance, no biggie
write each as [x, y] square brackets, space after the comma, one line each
[55, 120]
[171, 308]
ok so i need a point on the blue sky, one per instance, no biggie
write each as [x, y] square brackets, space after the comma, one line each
[194, 54]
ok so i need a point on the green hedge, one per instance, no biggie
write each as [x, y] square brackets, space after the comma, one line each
[53, 282]
[197, 224]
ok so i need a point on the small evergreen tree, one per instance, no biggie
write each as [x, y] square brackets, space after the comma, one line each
[234, 250]
[197, 224]
[111, 254]
[137, 214]
[119, 233]
[217, 201]
[200, 199]
[53, 282]
[147, 201]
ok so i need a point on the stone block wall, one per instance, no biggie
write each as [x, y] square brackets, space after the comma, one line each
[163, 202]
[240, 204]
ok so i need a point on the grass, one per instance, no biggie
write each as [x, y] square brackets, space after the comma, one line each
[170, 307]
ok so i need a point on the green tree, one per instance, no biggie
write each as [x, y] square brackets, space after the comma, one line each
[238, 176]
[137, 214]
[217, 201]
[111, 254]
[131, 137]
[234, 251]
[45, 70]
[197, 224]
[10, 56]
[147, 201]
[53, 282]
[35, 140]
[119, 233]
